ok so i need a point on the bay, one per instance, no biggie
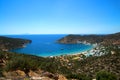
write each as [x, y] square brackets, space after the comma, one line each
[46, 45]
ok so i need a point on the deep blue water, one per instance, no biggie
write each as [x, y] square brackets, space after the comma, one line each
[46, 45]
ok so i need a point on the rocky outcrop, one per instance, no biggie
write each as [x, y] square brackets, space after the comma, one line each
[32, 75]
[7, 44]
[61, 77]
[14, 75]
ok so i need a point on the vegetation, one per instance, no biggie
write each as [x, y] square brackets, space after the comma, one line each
[106, 40]
[102, 75]
[22, 63]
[12, 43]
[78, 77]
[79, 69]
[25, 62]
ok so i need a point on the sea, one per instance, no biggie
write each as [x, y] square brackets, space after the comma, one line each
[46, 45]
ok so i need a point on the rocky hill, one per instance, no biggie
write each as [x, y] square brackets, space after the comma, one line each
[12, 43]
[14, 66]
[90, 65]
[111, 39]
[20, 66]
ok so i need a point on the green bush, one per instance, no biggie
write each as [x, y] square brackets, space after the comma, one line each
[1, 75]
[49, 65]
[78, 76]
[22, 63]
[103, 75]
[2, 55]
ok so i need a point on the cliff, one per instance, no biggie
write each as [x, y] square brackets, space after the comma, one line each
[7, 43]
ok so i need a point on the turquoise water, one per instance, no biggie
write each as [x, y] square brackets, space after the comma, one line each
[46, 45]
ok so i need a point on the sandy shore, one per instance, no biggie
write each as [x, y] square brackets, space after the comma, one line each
[79, 53]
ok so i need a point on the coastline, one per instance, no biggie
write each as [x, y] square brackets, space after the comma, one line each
[84, 52]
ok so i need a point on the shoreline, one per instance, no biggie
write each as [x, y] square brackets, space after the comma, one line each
[77, 53]
[63, 53]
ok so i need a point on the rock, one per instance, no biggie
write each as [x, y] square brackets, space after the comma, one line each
[3, 61]
[47, 74]
[45, 78]
[14, 75]
[61, 77]
[113, 52]
[20, 73]
[40, 78]
[36, 78]
[33, 74]
[2, 64]
[10, 74]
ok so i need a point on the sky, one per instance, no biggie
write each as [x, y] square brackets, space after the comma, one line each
[59, 16]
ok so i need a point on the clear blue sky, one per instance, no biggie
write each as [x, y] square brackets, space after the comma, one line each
[59, 16]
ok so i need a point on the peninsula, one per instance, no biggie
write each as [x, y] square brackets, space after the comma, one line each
[7, 43]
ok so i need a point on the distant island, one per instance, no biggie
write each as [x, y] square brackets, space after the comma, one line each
[102, 64]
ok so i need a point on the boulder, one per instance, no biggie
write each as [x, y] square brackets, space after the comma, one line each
[20, 73]
[61, 77]
[33, 74]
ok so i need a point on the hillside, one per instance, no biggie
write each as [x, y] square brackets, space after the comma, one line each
[17, 66]
[20, 66]
[7, 43]
[111, 39]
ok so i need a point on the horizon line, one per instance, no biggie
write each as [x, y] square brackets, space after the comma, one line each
[62, 34]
